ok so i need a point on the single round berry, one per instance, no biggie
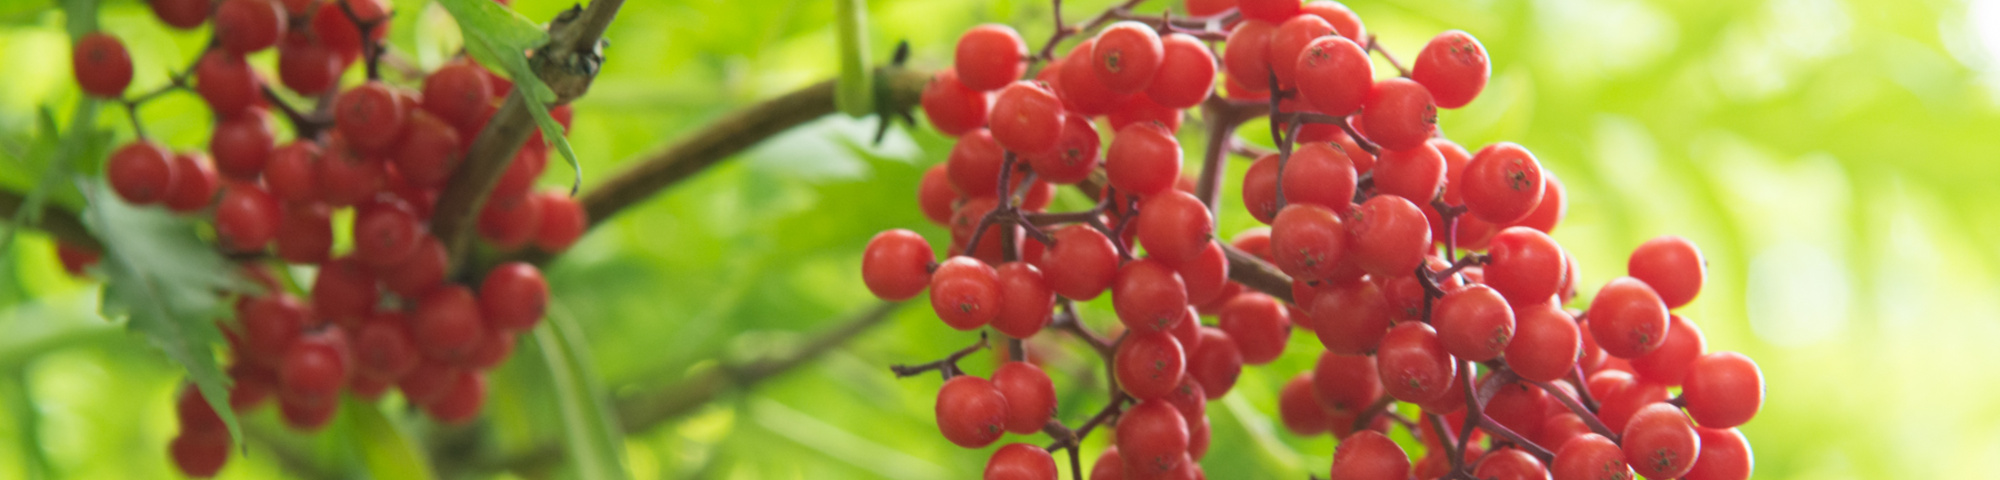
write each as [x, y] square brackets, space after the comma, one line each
[1149, 365]
[971, 411]
[246, 26]
[1725, 455]
[1021, 461]
[1152, 438]
[1453, 66]
[1260, 326]
[101, 65]
[1027, 118]
[306, 66]
[370, 116]
[1502, 183]
[1672, 266]
[563, 221]
[1319, 174]
[1346, 383]
[1388, 236]
[1474, 323]
[199, 455]
[246, 218]
[1081, 90]
[1590, 457]
[1174, 226]
[974, 164]
[242, 145]
[1126, 56]
[1369, 455]
[292, 173]
[1149, 296]
[1398, 114]
[195, 183]
[1075, 156]
[447, 325]
[1524, 265]
[313, 370]
[1206, 276]
[1334, 74]
[462, 401]
[935, 194]
[226, 82]
[1669, 364]
[953, 108]
[1546, 343]
[1510, 464]
[457, 93]
[429, 150]
[1413, 363]
[1260, 189]
[1627, 318]
[990, 56]
[1299, 411]
[383, 349]
[1081, 264]
[1186, 75]
[1659, 442]
[1308, 242]
[1723, 389]
[1246, 53]
[1215, 363]
[1031, 397]
[1343, 19]
[514, 296]
[1026, 302]
[1414, 174]
[965, 293]
[896, 265]
[385, 234]
[141, 172]
[1143, 159]
[181, 14]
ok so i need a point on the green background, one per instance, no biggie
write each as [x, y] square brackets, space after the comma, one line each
[1834, 160]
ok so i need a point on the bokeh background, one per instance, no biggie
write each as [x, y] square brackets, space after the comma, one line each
[1835, 160]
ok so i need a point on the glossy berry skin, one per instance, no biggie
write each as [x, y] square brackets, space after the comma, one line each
[1026, 302]
[457, 93]
[1126, 56]
[1524, 265]
[1590, 457]
[1398, 114]
[1659, 442]
[952, 107]
[447, 325]
[369, 116]
[1082, 92]
[1454, 67]
[1215, 363]
[514, 296]
[1186, 74]
[1289, 40]
[971, 411]
[1308, 242]
[1143, 159]
[1627, 318]
[1031, 398]
[1725, 455]
[1413, 174]
[1246, 53]
[1413, 363]
[101, 65]
[965, 293]
[181, 14]
[306, 66]
[140, 172]
[195, 183]
[1175, 227]
[1669, 364]
[1299, 411]
[242, 145]
[226, 82]
[1320, 174]
[1388, 236]
[1076, 154]
[1510, 464]
[199, 455]
[1149, 364]
[1110, 465]
[1369, 455]
[896, 265]
[563, 221]
[1346, 383]
[1149, 296]
[1259, 324]
[1152, 439]
[1027, 118]
[1672, 265]
[1723, 389]
[1344, 20]
[1021, 461]
[1502, 183]
[246, 218]
[246, 26]
[313, 370]
[1082, 263]
[1350, 319]
[1474, 323]
[1546, 343]
[1260, 189]
[935, 195]
[1551, 209]
[1268, 10]
[461, 403]
[990, 56]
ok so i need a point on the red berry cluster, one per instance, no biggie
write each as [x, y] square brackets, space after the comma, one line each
[1425, 270]
[383, 314]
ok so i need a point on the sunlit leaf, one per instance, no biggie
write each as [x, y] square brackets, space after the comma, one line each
[384, 446]
[497, 36]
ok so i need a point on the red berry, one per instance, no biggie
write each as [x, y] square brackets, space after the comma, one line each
[383, 349]
[141, 172]
[1551, 209]
[1672, 265]
[1725, 455]
[430, 381]
[340, 32]
[1260, 189]
[293, 172]
[1319, 174]
[952, 107]
[421, 272]
[1659, 442]
[1025, 300]
[243, 144]
[965, 293]
[199, 456]
[343, 291]
[514, 296]
[510, 222]
[1215, 363]
[314, 369]
[1510, 464]
[246, 26]
[971, 412]
[1027, 118]
[75, 259]
[1368, 455]
[1414, 174]
[1186, 74]
[385, 235]
[429, 150]
[1021, 461]
[1502, 183]
[461, 403]
[989, 56]
[181, 14]
[935, 194]
[1075, 155]
[348, 177]
[1308, 242]
[1269, 10]
[1546, 343]
[1669, 364]
[1143, 159]
[1414, 364]
[1590, 457]
[1110, 466]
[896, 265]
[195, 183]
[1398, 114]
[563, 221]
[446, 324]
[306, 66]
[370, 116]
[1149, 365]
[1287, 43]
[457, 93]
[1346, 383]
[1333, 74]
[1474, 323]
[101, 65]
[1388, 236]
[1453, 66]
[1246, 53]
[1126, 56]
[1081, 90]
[1525, 265]
[1081, 264]
[305, 233]
[1149, 296]
[228, 85]
[1152, 438]
[1174, 226]
[1723, 389]
[1301, 413]
[1627, 318]
[1343, 19]
[1349, 318]
[1260, 326]
[1031, 397]
[246, 219]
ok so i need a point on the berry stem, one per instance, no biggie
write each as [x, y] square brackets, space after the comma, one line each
[1375, 46]
[1368, 415]
[1062, 32]
[1589, 418]
[1220, 132]
[948, 366]
[306, 126]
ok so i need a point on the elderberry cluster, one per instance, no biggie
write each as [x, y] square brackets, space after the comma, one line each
[384, 313]
[1425, 270]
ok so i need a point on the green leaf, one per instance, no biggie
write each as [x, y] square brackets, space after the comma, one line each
[498, 37]
[168, 284]
[384, 446]
[596, 445]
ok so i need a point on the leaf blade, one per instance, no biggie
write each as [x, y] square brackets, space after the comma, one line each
[591, 435]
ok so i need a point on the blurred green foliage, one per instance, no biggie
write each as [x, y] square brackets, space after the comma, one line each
[1834, 159]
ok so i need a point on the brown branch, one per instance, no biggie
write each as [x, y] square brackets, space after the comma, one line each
[58, 222]
[566, 64]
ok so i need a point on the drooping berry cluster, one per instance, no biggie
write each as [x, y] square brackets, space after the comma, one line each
[382, 313]
[1425, 270]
